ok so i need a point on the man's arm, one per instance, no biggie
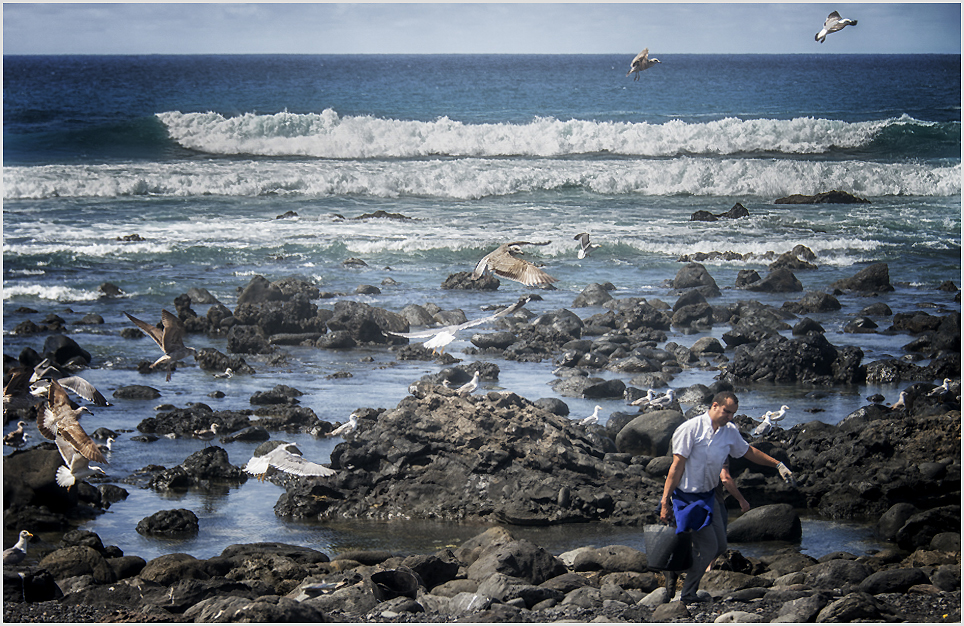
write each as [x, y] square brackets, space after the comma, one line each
[673, 479]
[762, 458]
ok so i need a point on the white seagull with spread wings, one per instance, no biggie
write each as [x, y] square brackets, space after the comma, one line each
[441, 337]
[286, 458]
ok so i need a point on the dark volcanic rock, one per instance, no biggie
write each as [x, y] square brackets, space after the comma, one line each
[829, 197]
[484, 457]
[873, 278]
[810, 358]
[174, 522]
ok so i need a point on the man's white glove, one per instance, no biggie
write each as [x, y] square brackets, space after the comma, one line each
[786, 474]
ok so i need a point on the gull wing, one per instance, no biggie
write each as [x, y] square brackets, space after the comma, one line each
[291, 463]
[257, 465]
[83, 389]
[153, 332]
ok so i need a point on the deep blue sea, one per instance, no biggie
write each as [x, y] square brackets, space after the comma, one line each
[198, 155]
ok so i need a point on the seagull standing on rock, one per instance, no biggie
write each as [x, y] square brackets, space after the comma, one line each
[345, 428]
[470, 386]
[592, 419]
[17, 553]
[832, 24]
[641, 62]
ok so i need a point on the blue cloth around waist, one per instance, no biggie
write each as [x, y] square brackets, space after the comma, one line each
[693, 511]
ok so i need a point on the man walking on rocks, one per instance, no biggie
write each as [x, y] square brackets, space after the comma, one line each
[701, 446]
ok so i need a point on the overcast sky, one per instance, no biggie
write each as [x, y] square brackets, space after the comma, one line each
[583, 28]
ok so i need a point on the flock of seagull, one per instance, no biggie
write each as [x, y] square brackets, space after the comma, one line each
[832, 24]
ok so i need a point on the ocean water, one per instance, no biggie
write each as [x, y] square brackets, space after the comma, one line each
[200, 156]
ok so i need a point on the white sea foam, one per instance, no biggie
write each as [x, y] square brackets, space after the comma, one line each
[330, 135]
[50, 292]
[480, 178]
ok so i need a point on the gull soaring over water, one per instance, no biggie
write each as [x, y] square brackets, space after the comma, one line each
[832, 24]
[17, 553]
[641, 62]
[169, 338]
[286, 458]
[584, 246]
[441, 337]
[504, 261]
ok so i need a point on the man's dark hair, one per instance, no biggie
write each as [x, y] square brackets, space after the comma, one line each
[722, 397]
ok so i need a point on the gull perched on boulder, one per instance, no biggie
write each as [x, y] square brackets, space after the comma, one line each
[345, 428]
[470, 386]
[286, 458]
[641, 62]
[504, 261]
[584, 246]
[592, 419]
[765, 425]
[832, 24]
[17, 553]
[169, 338]
[941, 390]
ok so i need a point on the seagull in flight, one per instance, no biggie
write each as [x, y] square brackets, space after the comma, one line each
[833, 23]
[441, 337]
[286, 458]
[45, 371]
[59, 421]
[504, 261]
[584, 246]
[169, 338]
[641, 62]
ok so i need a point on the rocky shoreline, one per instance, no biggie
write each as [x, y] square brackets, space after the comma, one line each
[499, 458]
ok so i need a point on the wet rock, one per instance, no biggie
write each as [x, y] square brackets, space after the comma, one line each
[854, 607]
[873, 278]
[828, 197]
[779, 280]
[649, 434]
[594, 294]
[464, 280]
[610, 559]
[260, 290]
[810, 358]
[34, 584]
[774, 522]
[695, 276]
[174, 522]
[78, 561]
[61, 349]
[520, 559]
